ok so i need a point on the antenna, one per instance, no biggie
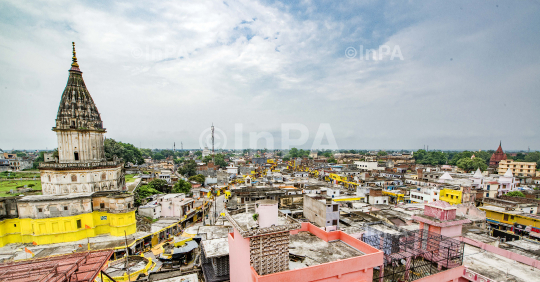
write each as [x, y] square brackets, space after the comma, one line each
[212, 139]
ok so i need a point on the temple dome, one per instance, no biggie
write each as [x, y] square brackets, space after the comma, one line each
[77, 110]
[478, 173]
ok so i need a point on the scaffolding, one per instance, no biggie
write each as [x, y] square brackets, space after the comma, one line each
[411, 255]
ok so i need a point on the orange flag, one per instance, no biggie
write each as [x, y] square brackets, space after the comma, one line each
[87, 227]
[28, 251]
[80, 245]
[34, 243]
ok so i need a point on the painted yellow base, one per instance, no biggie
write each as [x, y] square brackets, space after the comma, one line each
[66, 229]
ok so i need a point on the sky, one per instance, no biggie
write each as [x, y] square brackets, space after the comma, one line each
[453, 75]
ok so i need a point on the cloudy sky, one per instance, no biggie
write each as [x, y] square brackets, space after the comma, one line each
[450, 74]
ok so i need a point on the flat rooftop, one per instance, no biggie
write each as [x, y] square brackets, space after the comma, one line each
[246, 222]
[317, 251]
[498, 267]
[216, 248]
[13, 251]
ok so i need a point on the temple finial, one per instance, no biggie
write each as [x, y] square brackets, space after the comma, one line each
[74, 64]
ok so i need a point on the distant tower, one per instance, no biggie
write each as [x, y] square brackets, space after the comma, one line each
[182, 146]
[174, 147]
[212, 139]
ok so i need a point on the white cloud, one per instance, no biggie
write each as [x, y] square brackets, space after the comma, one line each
[163, 72]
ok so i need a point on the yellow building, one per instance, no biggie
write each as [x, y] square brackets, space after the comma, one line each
[517, 168]
[451, 196]
[498, 215]
[66, 229]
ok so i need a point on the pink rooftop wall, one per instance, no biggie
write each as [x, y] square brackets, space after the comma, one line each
[351, 269]
[439, 213]
[239, 261]
[502, 252]
[450, 275]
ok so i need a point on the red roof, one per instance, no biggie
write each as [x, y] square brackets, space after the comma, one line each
[498, 156]
[76, 267]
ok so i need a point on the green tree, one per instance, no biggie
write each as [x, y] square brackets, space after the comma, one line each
[219, 159]
[21, 154]
[39, 159]
[159, 184]
[332, 160]
[294, 153]
[125, 151]
[468, 164]
[144, 192]
[431, 157]
[382, 153]
[419, 155]
[188, 169]
[146, 153]
[207, 159]
[198, 153]
[533, 157]
[158, 156]
[182, 186]
[515, 194]
[198, 178]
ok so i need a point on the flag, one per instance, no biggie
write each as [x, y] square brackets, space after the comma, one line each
[28, 251]
[80, 245]
[87, 227]
[34, 243]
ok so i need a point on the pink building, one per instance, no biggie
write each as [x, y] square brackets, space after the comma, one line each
[278, 248]
[440, 217]
[175, 205]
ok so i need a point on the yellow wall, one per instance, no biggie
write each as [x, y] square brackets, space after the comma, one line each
[64, 229]
[446, 195]
[522, 219]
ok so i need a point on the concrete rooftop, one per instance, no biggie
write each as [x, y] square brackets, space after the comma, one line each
[317, 251]
[498, 267]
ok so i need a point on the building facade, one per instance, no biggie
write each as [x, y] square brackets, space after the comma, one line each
[517, 168]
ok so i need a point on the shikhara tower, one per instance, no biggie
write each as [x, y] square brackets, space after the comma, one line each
[81, 165]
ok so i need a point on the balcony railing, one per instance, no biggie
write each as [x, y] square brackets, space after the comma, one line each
[79, 165]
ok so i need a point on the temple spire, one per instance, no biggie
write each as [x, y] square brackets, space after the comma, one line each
[74, 64]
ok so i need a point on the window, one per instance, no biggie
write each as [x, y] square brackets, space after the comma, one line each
[101, 205]
[336, 208]
[65, 208]
[512, 217]
[334, 222]
[14, 225]
[76, 156]
[129, 205]
[73, 178]
[79, 223]
[40, 210]
[505, 217]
